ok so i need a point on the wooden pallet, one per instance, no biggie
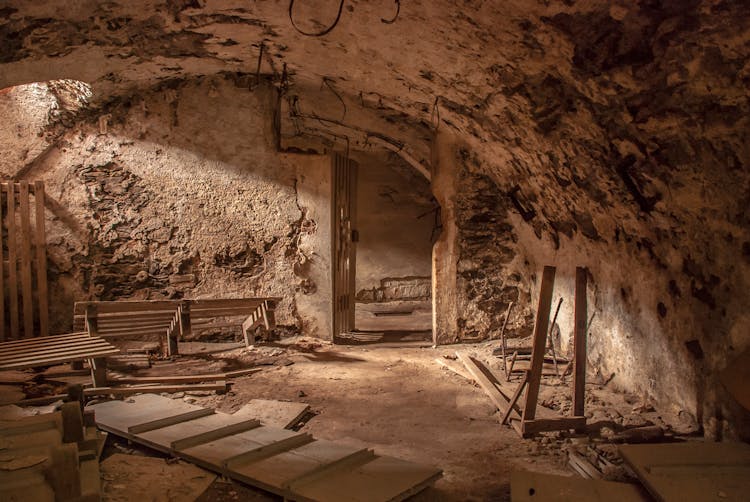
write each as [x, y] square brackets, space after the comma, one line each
[172, 319]
[49, 350]
[692, 471]
[291, 464]
[23, 222]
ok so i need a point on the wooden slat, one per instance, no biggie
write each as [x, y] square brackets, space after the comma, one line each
[579, 343]
[58, 359]
[162, 305]
[12, 262]
[41, 341]
[539, 342]
[167, 421]
[51, 348]
[41, 259]
[128, 391]
[26, 284]
[2, 276]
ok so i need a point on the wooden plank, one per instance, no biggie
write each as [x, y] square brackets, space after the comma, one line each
[56, 359]
[692, 471]
[531, 427]
[500, 401]
[37, 343]
[2, 275]
[385, 478]
[118, 416]
[281, 414]
[514, 399]
[539, 342]
[454, 367]
[528, 486]
[279, 472]
[26, 284]
[579, 343]
[212, 454]
[12, 262]
[173, 378]
[188, 438]
[265, 451]
[167, 421]
[54, 349]
[129, 391]
[41, 259]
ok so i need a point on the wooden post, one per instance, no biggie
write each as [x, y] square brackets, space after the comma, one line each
[539, 343]
[2, 275]
[579, 342]
[186, 327]
[26, 284]
[93, 330]
[516, 395]
[99, 371]
[41, 259]
[12, 261]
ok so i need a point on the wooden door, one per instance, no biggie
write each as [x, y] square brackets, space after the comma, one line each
[344, 236]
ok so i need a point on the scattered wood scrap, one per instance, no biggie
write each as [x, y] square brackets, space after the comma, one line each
[281, 414]
[130, 478]
[291, 464]
[528, 486]
[218, 387]
[50, 457]
[692, 471]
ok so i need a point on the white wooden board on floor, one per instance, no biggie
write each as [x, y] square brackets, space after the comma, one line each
[527, 486]
[281, 414]
[291, 464]
[692, 471]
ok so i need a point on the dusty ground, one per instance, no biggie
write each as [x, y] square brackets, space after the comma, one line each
[399, 402]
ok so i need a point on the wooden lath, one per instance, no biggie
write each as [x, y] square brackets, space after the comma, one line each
[23, 282]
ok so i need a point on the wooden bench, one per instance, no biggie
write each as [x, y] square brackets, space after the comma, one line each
[56, 349]
[173, 319]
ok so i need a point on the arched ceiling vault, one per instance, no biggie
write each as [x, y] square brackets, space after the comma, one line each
[551, 95]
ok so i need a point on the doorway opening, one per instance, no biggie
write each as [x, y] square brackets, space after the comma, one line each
[385, 265]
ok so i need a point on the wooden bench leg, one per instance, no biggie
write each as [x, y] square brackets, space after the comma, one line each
[99, 371]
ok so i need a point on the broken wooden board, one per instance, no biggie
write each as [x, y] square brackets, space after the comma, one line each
[692, 471]
[281, 414]
[291, 464]
[736, 379]
[137, 478]
[526, 486]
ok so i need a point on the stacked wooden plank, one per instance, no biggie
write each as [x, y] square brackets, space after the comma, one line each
[51, 457]
[23, 236]
[49, 350]
[691, 471]
[291, 464]
[173, 319]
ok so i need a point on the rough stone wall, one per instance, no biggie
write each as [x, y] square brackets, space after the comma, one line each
[177, 191]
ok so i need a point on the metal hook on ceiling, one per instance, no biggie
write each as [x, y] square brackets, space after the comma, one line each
[391, 21]
[313, 34]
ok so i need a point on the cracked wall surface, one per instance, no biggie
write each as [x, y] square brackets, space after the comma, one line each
[624, 125]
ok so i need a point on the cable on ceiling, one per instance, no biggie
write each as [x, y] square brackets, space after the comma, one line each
[320, 33]
[391, 21]
[328, 82]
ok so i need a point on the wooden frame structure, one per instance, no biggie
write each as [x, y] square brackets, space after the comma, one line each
[523, 418]
[26, 260]
[173, 319]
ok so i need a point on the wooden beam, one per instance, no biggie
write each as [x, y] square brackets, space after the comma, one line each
[531, 427]
[26, 283]
[539, 342]
[579, 342]
[516, 395]
[12, 262]
[500, 401]
[41, 259]
[127, 391]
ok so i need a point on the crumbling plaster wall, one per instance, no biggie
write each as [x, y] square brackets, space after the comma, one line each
[177, 191]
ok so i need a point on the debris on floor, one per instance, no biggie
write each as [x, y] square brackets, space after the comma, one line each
[137, 478]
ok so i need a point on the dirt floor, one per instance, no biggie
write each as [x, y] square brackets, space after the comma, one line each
[400, 402]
